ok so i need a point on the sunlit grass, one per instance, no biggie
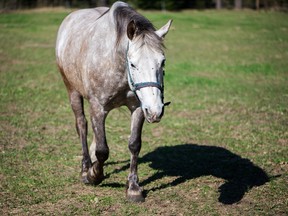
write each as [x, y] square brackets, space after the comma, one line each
[226, 75]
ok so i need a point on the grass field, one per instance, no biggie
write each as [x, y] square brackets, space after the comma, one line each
[221, 148]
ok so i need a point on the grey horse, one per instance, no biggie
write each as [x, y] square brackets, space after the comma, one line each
[112, 57]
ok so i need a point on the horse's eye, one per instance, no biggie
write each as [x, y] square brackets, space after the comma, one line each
[163, 63]
[132, 65]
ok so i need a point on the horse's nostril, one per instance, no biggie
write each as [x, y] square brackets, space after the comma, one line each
[153, 114]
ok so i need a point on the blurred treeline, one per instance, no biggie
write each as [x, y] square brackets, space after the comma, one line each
[150, 4]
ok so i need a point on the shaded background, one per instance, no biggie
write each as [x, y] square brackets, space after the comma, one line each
[150, 4]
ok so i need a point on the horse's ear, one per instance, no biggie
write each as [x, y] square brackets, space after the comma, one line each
[164, 30]
[131, 29]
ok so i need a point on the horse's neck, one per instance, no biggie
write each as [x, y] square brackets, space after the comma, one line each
[121, 51]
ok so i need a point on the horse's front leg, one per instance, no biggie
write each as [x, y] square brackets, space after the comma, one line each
[134, 192]
[98, 116]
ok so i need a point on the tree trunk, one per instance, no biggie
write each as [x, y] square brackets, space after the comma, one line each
[218, 4]
[266, 5]
[238, 4]
[257, 5]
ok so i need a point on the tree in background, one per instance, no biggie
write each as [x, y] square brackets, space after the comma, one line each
[238, 4]
[149, 4]
[218, 4]
[160, 4]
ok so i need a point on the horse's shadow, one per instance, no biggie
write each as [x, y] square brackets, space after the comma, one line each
[188, 161]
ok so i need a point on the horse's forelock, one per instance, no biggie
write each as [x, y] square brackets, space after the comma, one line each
[151, 40]
[145, 31]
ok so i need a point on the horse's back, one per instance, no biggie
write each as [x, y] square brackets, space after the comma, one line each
[76, 25]
[82, 22]
[85, 52]
[73, 43]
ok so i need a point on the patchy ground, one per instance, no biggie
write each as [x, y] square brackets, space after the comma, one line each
[221, 148]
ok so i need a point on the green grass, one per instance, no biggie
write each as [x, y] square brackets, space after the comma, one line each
[221, 148]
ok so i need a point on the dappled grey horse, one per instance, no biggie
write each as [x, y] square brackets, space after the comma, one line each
[112, 57]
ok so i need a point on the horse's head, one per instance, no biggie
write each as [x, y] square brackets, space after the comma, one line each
[145, 67]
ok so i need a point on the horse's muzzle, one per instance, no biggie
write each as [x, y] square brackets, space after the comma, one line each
[153, 114]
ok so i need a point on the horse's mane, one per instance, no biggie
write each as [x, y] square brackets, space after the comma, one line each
[145, 31]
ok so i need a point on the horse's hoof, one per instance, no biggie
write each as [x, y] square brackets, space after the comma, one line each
[90, 178]
[135, 196]
[95, 181]
[93, 177]
[83, 178]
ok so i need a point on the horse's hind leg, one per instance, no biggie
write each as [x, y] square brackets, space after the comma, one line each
[98, 116]
[134, 192]
[76, 101]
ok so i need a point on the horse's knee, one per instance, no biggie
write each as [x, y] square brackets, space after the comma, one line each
[102, 154]
[135, 146]
[81, 121]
